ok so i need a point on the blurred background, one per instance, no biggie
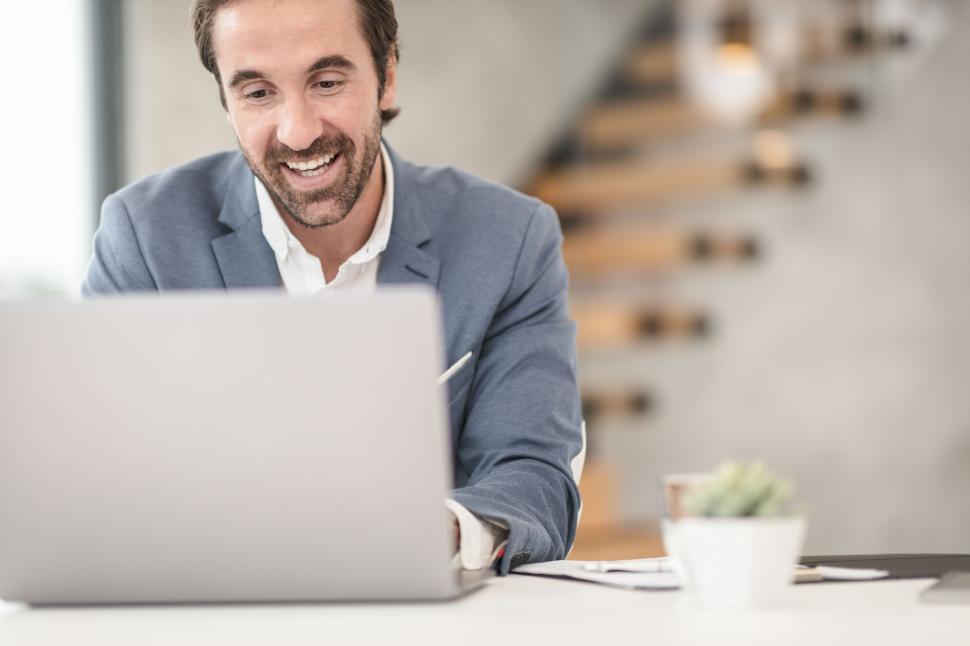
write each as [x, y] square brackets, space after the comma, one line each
[766, 206]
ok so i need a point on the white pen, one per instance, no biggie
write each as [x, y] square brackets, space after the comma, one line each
[450, 372]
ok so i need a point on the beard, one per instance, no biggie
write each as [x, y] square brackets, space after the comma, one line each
[330, 205]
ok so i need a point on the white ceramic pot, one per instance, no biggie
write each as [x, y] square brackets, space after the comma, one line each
[739, 562]
[670, 532]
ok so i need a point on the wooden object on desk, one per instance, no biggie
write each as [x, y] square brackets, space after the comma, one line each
[617, 543]
[595, 253]
[598, 490]
[601, 534]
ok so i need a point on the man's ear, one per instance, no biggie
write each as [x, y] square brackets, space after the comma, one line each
[389, 98]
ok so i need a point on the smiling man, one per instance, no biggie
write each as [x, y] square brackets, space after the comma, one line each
[317, 202]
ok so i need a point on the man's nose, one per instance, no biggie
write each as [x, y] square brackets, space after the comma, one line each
[298, 128]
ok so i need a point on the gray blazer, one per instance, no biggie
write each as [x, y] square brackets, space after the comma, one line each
[493, 255]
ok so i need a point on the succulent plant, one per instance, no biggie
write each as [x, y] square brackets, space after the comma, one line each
[738, 490]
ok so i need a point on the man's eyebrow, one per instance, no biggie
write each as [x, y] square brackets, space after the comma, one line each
[242, 76]
[324, 63]
[332, 62]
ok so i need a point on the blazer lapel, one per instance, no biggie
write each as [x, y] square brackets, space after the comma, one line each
[405, 260]
[247, 261]
[245, 258]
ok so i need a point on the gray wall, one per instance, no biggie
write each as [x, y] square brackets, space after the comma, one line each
[843, 359]
[482, 85]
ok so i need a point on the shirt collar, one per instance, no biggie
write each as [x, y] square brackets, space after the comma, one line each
[282, 240]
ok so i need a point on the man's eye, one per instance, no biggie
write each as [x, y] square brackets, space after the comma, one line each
[329, 85]
[257, 95]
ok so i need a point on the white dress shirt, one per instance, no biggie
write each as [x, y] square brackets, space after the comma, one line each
[302, 272]
[302, 275]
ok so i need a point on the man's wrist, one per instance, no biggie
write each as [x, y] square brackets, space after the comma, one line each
[479, 540]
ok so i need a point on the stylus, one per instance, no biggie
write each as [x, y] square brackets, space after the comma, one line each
[450, 372]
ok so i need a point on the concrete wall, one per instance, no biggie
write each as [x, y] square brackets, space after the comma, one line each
[483, 86]
[843, 359]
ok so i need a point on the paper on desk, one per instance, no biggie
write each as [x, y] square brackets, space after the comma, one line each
[656, 573]
[830, 573]
[636, 574]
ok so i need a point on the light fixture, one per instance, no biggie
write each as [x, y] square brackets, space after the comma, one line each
[724, 72]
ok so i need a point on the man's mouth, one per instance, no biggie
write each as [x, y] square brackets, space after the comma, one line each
[313, 167]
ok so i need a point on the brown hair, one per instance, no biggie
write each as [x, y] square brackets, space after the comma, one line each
[377, 22]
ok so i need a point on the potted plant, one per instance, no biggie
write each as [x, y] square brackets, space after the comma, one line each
[739, 538]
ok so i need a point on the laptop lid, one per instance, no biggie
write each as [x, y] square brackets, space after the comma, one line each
[223, 448]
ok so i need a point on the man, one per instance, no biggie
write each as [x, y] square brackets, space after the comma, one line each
[316, 203]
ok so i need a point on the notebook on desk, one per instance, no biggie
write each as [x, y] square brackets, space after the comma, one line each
[210, 448]
[899, 566]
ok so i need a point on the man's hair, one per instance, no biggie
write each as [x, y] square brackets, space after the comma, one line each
[378, 23]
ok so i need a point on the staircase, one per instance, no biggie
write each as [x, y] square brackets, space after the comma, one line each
[650, 188]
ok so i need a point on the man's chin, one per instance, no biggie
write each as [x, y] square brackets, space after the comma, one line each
[317, 218]
[312, 214]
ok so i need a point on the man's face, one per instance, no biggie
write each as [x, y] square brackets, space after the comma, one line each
[302, 94]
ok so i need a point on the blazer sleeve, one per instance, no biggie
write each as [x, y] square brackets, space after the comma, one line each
[117, 263]
[523, 421]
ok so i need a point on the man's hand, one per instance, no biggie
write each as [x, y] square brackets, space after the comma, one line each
[455, 532]
[484, 538]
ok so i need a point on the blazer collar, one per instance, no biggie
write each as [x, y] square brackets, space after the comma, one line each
[407, 259]
[247, 261]
[245, 258]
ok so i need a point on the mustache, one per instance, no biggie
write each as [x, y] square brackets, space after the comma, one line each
[320, 147]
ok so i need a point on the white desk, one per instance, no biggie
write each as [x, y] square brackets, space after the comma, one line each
[517, 610]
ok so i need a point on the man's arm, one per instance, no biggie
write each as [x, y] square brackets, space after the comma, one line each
[477, 541]
[522, 427]
[117, 263]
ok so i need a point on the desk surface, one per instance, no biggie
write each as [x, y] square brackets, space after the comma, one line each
[533, 610]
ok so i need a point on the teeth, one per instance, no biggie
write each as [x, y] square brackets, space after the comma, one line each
[311, 165]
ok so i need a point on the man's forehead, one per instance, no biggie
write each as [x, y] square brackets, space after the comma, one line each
[286, 32]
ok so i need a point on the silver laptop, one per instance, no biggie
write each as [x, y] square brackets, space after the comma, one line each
[213, 448]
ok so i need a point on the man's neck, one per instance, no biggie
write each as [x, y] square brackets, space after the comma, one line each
[334, 244]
